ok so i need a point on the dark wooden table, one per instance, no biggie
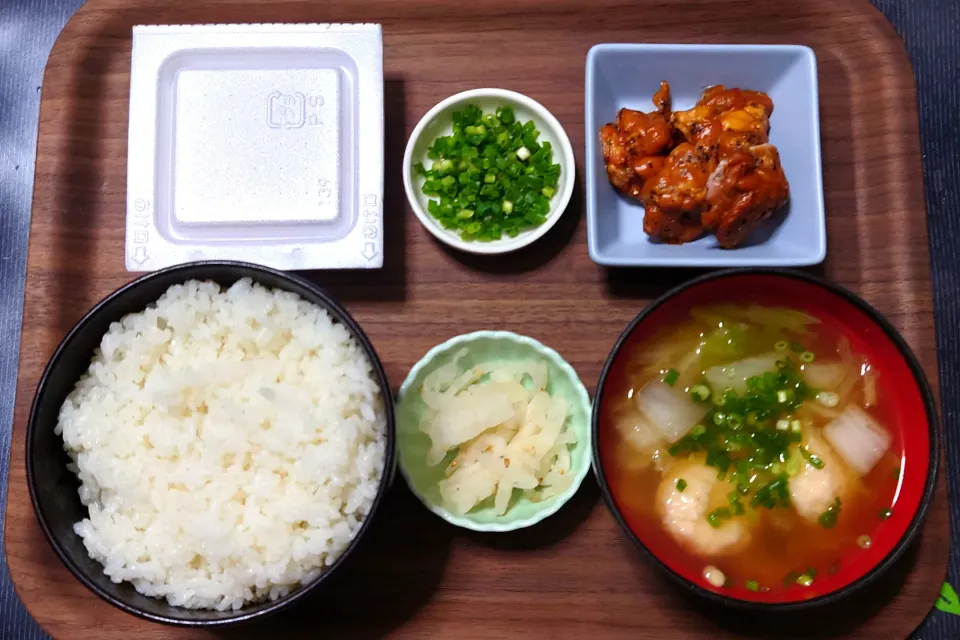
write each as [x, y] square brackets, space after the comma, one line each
[930, 28]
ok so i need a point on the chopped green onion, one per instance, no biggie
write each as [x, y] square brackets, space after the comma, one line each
[681, 485]
[812, 458]
[491, 177]
[752, 585]
[805, 580]
[807, 357]
[885, 513]
[791, 578]
[700, 392]
[828, 519]
[735, 504]
[733, 445]
[718, 516]
[864, 542]
[828, 398]
[773, 494]
[671, 377]
[758, 461]
[783, 345]
[796, 347]
[896, 473]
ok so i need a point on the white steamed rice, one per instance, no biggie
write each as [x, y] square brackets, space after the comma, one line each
[229, 444]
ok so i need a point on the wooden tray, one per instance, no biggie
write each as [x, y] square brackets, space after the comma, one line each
[574, 575]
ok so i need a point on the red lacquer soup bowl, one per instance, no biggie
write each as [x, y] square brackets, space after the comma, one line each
[909, 414]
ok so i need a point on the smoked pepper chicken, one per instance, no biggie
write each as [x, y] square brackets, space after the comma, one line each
[709, 168]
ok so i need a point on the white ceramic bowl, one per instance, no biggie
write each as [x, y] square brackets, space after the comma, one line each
[438, 122]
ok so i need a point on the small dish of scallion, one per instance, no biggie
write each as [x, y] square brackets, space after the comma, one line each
[488, 171]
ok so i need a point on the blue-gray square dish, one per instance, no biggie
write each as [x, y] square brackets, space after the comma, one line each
[627, 75]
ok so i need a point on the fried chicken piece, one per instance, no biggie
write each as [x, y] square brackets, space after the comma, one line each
[743, 191]
[726, 120]
[742, 128]
[676, 198]
[681, 184]
[661, 98]
[721, 176]
[700, 126]
[646, 168]
[634, 146]
[722, 99]
[672, 229]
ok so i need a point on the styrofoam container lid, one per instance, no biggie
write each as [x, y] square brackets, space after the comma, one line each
[246, 143]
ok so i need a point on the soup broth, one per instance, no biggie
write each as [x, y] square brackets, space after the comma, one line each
[751, 441]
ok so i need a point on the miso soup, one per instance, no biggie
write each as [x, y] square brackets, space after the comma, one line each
[752, 441]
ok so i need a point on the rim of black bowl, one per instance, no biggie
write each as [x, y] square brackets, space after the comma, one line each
[932, 426]
[339, 314]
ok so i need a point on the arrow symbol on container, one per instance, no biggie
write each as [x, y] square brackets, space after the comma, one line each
[140, 251]
[369, 251]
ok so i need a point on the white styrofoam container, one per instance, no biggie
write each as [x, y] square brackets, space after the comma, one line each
[260, 142]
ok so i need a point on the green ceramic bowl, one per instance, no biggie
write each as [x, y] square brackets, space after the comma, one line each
[413, 444]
